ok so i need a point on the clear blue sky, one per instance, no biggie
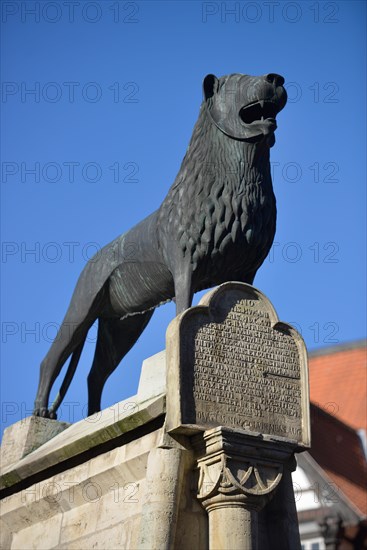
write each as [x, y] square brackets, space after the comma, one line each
[116, 92]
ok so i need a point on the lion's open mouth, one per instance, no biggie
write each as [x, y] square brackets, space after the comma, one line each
[261, 110]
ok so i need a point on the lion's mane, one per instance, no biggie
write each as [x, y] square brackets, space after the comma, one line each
[221, 199]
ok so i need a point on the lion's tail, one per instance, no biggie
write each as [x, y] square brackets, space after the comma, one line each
[68, 377]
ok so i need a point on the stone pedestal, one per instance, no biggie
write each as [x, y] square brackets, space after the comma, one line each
[26, 436]
[201, 461]
[238, 377]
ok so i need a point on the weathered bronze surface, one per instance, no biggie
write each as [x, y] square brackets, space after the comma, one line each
[216, 224]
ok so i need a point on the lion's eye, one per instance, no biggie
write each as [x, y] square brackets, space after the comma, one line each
[258, 111]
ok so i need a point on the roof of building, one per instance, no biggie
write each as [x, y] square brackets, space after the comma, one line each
[337, 448]
[338, 382]
[316, 493]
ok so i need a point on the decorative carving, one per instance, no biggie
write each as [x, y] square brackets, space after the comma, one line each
[238, 475]
[237, 366]
[231, 477]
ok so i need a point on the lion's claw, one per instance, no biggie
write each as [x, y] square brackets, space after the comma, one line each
[43, 412]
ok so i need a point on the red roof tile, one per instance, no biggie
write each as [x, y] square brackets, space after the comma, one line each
[338, 383]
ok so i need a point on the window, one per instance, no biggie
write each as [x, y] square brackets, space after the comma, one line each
[313, 544]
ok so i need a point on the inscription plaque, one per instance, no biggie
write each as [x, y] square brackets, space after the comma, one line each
[231, 363]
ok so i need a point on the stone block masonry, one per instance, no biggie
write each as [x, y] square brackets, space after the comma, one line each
[200, 458]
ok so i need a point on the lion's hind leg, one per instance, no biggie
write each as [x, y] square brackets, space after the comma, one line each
[115, 338]
[68, 340]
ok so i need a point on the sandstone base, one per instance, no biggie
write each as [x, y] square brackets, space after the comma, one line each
[185, 463]
[117, 481]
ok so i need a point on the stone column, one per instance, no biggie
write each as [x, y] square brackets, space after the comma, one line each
[238, 475]
[280, 515]
[231, 525]
[166, 469]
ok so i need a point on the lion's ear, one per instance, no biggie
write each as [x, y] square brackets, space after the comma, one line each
[210, 86]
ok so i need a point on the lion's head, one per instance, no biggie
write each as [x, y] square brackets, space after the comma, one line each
[221, 206]
[245, 107]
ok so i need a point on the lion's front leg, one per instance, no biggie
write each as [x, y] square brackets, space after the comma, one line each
[183, 287]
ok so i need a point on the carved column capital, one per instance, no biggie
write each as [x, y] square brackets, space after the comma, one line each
[225, 479]
[239, 473]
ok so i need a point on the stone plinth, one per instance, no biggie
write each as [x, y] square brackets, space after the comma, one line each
[26, 436]
[201, 461]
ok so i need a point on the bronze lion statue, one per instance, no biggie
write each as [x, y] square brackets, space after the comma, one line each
[216, 224]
